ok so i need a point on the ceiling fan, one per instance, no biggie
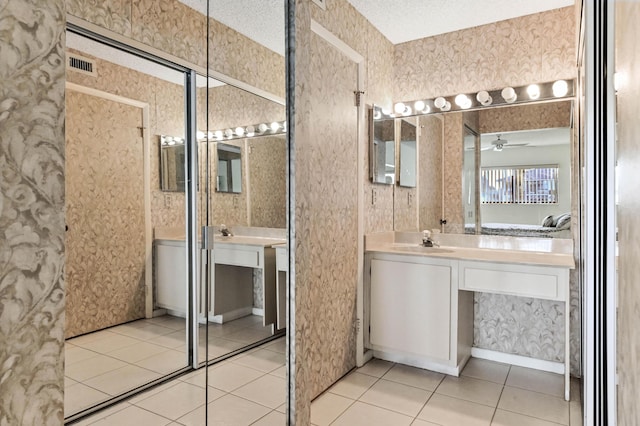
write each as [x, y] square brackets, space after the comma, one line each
[500, 144]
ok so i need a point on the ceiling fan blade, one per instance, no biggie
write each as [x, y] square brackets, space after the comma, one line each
[487, 148]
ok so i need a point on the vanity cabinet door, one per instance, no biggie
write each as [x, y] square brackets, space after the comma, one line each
[411, 308]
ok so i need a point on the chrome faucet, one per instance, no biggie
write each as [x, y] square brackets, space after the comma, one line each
[427, 241]
[225, 231]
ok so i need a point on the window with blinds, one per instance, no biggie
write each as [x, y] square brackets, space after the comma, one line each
[519, 185]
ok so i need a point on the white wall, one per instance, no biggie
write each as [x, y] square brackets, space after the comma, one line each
[527, 156]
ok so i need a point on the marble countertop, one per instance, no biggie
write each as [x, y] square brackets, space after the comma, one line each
[488, 248]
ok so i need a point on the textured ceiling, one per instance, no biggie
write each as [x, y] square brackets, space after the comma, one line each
[398, 20]
[405, 20]
[260, 20]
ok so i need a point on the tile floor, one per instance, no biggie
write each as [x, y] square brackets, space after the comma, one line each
[106, 363]
[487, 393]
[249, 389]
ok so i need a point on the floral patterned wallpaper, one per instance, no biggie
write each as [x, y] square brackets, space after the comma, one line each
[105, 241]
[32, 212]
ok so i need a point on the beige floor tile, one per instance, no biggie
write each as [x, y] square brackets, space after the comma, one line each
[575, 413]
[133, 416]
[138, 352]
[470, 389]
[353, 386]
[195, 378]
[280, 372]
[109, 342]
[82, 340]
[149, 393]
[412, 376]
[79, 396]
[396, 397]
[486, 370]
[68, 381]
[74, 354]
[507, 418]
[175, 323]
[327, 407]
[230, 377]
[164, 362]
[92, 367]
[226, 411]
[536, 380]
[278, 345]
[219, 346]
[375, 367]
[274, 418]
[141, 330]
[262, 360]
[266, 390]
[282, 409]
[249, 335]
[178, 400]
[447, 411]
[122, 380]
[173, 340]
[418, 422]
[102, 414]
[535, 404]
[361, 414]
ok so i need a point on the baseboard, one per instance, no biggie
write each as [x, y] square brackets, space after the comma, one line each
[158, 313]
[257, 311]
[231, 315]
[519, 360]
[417, 361]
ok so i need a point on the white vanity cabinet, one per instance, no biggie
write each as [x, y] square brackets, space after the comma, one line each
[417, 316]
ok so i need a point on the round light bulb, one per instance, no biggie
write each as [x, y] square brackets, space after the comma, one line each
[218, 134]
[262, 127]
[419, 105]
[509, 95]
[484, 98]
[461, 100]
[560, 88]
[228, 133]
[210, 135]
[240, 131]
[275, 126]
[407, 110]
[446, 107]
[426, 109]
[399, 108]
[533, 91]
[377, 115]
[386, 111]
[199, 134]
[251, 130]
[440, 102]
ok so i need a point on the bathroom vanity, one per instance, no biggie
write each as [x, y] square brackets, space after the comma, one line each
[420, 299]
[239, 260]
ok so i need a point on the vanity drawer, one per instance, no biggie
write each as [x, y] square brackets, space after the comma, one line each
[539, 282]
[236, 257]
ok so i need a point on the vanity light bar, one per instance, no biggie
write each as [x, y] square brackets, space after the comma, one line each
[242, 132]
[171, 140]
[552, 90]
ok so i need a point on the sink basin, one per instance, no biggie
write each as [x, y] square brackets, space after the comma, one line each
[415, 248]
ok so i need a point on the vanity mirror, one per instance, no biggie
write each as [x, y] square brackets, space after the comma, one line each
[408, 151]
[229, 171]
[172, 173]
[382, 148]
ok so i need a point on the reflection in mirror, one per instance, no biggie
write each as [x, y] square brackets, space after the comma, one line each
[408, 152]
[525, 171]
[229, 171]
[382, 149]
[172, 174]
[469, 181]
